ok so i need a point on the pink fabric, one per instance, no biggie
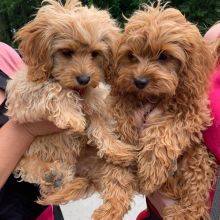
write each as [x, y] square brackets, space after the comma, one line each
[10, 61]
[47, 214]
[143, 215]
[212, 134]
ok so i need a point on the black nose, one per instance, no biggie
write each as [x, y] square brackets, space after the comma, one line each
[140, 83]
[83, 80]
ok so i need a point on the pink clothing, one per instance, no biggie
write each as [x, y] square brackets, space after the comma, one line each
[10, 61]
[47, 214]
[212, 134]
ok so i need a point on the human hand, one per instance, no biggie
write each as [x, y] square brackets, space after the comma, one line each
[15, 139]
[40, 128]
[213, 33]
[160, 202]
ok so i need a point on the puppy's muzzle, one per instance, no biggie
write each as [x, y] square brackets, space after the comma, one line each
[141, 83]
[83, 80]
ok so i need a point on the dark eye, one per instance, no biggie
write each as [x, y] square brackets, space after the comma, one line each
[68, 53]
[162, 57]
[95, 54]
[131, 57]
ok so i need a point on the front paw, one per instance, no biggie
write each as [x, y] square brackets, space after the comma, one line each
[146, 186]
[176, 212]
[78, 126]
[107, 213]
[151, 178]
[73, 124]
[119, 154]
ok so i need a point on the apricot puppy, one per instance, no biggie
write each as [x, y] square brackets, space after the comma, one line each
[66, 49]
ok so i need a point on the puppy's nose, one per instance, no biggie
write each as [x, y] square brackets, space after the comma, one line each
[140, 83]
[83, 80]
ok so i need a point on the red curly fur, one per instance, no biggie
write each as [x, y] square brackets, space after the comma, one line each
[162, 47]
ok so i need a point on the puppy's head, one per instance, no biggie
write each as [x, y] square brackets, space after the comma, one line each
[162, 54]
[70, 43]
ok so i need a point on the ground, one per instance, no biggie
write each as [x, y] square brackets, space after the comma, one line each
[82, 209]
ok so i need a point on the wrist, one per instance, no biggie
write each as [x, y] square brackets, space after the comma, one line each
[28, 130]
[15, 140]
[23, 129]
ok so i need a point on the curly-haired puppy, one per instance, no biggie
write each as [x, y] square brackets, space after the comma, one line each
[66, 49]
[159, 99]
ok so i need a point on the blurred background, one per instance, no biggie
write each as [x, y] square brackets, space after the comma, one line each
[83, 209]
[15, 13]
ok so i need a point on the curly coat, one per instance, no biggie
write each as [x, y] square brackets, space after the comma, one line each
[66, 49]
[162, 78]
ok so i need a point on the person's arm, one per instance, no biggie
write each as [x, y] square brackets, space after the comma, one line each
[160, 202]
[213, 33]
[15, 139]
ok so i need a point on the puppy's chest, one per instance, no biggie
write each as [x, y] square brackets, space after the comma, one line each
[144, 115]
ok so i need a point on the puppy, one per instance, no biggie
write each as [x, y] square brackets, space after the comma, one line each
[159, 93]
[66, 49]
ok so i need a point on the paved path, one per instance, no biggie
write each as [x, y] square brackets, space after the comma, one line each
[82, 209]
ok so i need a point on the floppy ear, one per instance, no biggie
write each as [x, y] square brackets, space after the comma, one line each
[200, 63]
[35, 46]
[112, 42]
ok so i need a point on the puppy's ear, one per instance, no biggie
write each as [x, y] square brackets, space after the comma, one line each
[200, 63]
[35, 46]
[112, 42]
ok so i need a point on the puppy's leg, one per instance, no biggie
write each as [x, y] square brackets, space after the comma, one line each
[49, 176]
[118, 187]
[46, 101]
[67, 114]
[194, 180]
[112, 149]
[161, 144]
[78, 188]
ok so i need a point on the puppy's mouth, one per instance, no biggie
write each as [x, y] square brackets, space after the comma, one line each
[81, 91]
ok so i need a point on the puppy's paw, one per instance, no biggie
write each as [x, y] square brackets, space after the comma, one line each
[73, 124]
[119, 154]
[176, 212]
[54, 178]
[77, 125]
[107, 213]
[149, 184]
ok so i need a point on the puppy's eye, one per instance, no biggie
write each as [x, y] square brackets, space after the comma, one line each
[162, 57]
[131, 57]
[95, 54]
[67, 53]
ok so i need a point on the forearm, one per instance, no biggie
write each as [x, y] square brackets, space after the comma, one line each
[160, 202]
[14, 141]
